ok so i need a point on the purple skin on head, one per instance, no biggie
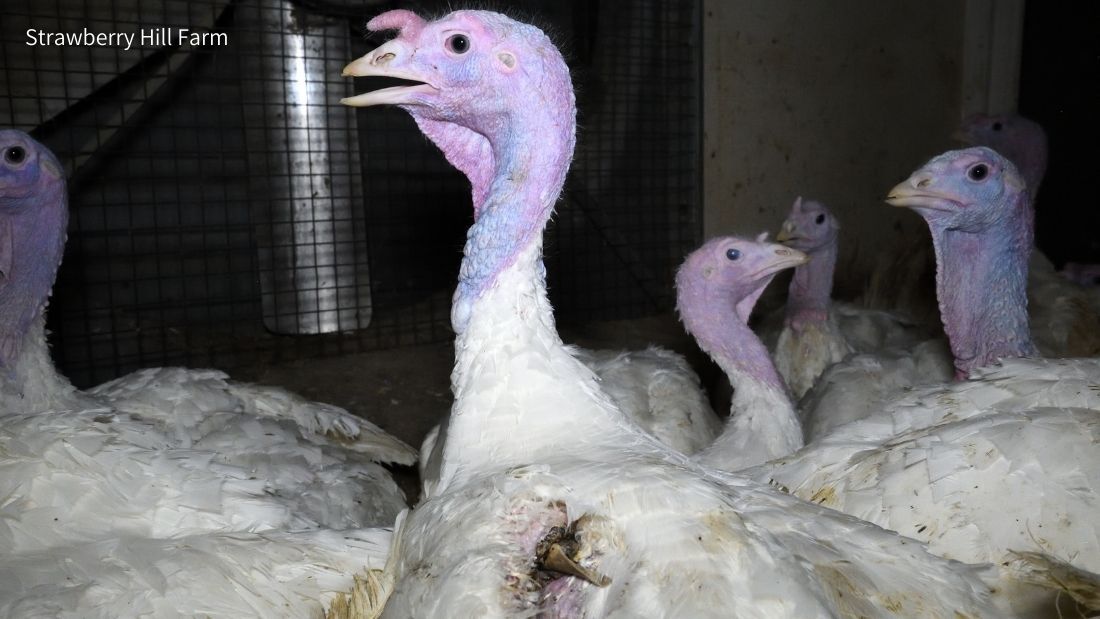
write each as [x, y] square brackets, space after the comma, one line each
[33, 219]
[728, 274]
[812, 229]
[979, 213]
[487, 88]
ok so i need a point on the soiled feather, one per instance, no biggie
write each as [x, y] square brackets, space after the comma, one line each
[972, 489]
[229, 575]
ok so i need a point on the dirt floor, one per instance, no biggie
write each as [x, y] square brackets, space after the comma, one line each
[407, 390]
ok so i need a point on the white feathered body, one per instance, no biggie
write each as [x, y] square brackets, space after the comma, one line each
[134, 470]
[1064, 316]
[1062, 321]
[864, 383]
[533, 443]
[804, 352]
[1005, 461]
[659, 391]
[655, 388]
[673, 543]
[228, 575]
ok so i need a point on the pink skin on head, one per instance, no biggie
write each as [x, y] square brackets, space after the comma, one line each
[496, 97]
[979, 213]
[410, 24]
[810, 228]
[727, 275]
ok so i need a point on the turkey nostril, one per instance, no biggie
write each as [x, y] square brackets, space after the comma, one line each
[924, 182]
[383, 59]
[783, 252]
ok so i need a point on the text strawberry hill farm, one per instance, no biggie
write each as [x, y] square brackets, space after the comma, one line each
[146, 37]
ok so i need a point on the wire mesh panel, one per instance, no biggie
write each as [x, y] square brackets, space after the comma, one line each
[226, 210]
[631, 210]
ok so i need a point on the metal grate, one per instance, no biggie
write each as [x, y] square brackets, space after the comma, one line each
[227, 211]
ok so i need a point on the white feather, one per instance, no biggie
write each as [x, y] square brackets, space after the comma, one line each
[229, 575]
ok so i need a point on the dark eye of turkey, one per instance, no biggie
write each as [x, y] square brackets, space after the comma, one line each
[733, 253]
[820, 219]
[458, 43]
[997, 126]
[15, 154]
[978, 172]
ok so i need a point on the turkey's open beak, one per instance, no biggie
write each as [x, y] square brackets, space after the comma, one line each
[914, 192]
[381, 63]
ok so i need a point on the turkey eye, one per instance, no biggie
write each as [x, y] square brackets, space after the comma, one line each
[820, 219]
[997, 126]
[458, 43]
[733, 254]
[978, 172]
[15, 154]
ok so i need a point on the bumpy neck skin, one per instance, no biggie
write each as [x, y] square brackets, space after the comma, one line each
[32, 241]
[808, 296]
[519, 394]
[516, 205]
[33, 220]
[981, 282]
[31, 383]
[762, 424]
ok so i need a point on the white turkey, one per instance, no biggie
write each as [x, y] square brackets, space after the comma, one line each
[818, 332]
[550, 500]
[655, 388]
[938, 465]
[1064, 316]
[161, 455]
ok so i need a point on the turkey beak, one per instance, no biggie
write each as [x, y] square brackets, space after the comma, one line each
[786, 233]
[385, 61]
[916, 192]
[784, 258]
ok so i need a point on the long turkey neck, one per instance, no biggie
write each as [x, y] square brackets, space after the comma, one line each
[520, 396]
[811, 288]
[763, 424]
[981, 282]
[517, 205]
[31, 383]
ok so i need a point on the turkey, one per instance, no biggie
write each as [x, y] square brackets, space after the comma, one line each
[550, 500]
[843, 362]
[938, 464]
[943, 483]
[659, 391]
[655, 388]
[1020, 140]
[1065, 317]
[159, 455]
[818, 332]
[232, 575]
[762, 424]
